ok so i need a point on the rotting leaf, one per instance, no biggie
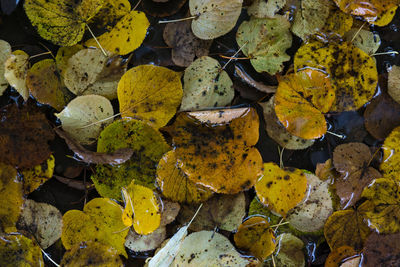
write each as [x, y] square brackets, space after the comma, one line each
[141, 243]
[382, 250]
[281, 189]
[351, 161]
[255, 235]
[174, 183]
[218, 142]
[353, 73]
[5, 53]
[148, 147]
[206, 85]
[100, 221]
[185, 46]
[18, 250]
[16, 68]
[366, 40]
[346, 228]
[336, 256]
[85, 116]
[214, 18]
[162, 8]
[263, 9]
[390, 166]
[394, 83]
[250, 81]
[150, 93]
[38, 175]
[42, 220]
[127, 35]
[61, 21]
[265, 41]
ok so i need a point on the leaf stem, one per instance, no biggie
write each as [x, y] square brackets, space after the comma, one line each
[234, 55]
[176, 20]
[357, 33]
[337, 135]
[385, 53]
[97, 41]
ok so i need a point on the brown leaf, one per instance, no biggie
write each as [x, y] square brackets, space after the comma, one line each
[250, 81]
[382, 250]
[118, 157]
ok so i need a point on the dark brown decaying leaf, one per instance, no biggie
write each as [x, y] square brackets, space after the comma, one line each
[24, 136]
[382, 250]
[162, 8]
[185, 46]
[118, 157]
[76, 184]
[250, 81]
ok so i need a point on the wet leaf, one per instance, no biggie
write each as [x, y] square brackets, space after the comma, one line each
[185, 46]
[326, 171]
[176, 185]
[16, 68]
[336, 256]
[38, 175]
[289, 251]
[100, 221]
[5, 49]
[255, 236]
[382, 250]
[301, 101]
[169, 212]
[366, 40]
[253, 83]
[265, 41]
[141, 243]
[394, 83]
[61, 21]
[111, 12]
[85, 116]
[18, 250]
[141, 209]
[278, 132]
[353, 73]
[42, 220]
[208, 249]
[346, 228]
[45, 84]
[214, 17]
[127, 35]
[382, 208]
[63, 55]
[390, 166]
[263, 9]
[24, 136]
[150, 93]
[148, 146]
[281, 189]
[91, 254]
[218, 142]
[351, 161]
[206, 85]
[162, 8]
[338, 22]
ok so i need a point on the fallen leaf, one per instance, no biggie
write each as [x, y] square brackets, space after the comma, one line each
[185, 46]
[206, 85]
[394, 83]
[169, 212]
[5, 49]
[214, 18]
[16, 68]
[382, 250]
[338, 255]
[63, 55]
[162, 8]
[265, 41]
[34, 177]
[325, 171]
[250, 81]
[150, 93]
[366, 40]
[353, 73]
[148, 147]
[110, 13]
[100, 221]
[255, 236]
[281, 189]
[391, 155]
[338, 22]
[61, 21]
[18, 250]
[289, 251]
[42, 220]
[141, 243]
[262, 9]
[85, 117]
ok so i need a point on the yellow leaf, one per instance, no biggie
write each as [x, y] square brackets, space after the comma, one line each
[176, 185]
[111, 12]
[127, 35]
[353, 73]
[64, 53]
[100, 221]
[338, 22]
[16, 68]
[61, 21]
[300, 101]
[18, 250]
[390, 165]
[141, 209]
[281, 189]
[150, 93]
[255, 235]
[38, 175]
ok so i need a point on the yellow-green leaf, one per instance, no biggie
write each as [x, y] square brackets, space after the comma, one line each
[38, 175]
[16, 68]
[64, 53]
[18, 250]
[5, 53]
[390, 165]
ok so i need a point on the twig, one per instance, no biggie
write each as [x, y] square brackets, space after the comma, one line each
[176, 20]
[97, 41]
[355, 35]
[234, 55]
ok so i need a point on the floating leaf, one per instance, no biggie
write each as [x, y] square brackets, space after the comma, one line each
[353, 73]
[281, 189]
[265, 41]
[351, 161]
[148, 146]
[288, 252]
[85, 116]
[382, 208]
[42, 220]
[338, 22]
[301, 101]
[5, 49]
[278, 132]
[382, 250]
[141, 243]
[185, 46]
[336, 256]
[150, 93]
[175, 184]
[262, 9]
[100, 221]
[64, 53]
[214, 17]
[205, 147]
[141, 209]
[16, 68]
[390, 166]
[44, 82]
[394, 83]
[255, 235]
[346, 228]
[111, 12]
[18, 250]
[91, 254]
[61, 21]
[38, 175]
[206, 85]
[366, 40]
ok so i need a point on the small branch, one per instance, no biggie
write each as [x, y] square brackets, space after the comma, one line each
[357, 33]
[385, 53]
[97, 41]
[176, 20]
[337, 135]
